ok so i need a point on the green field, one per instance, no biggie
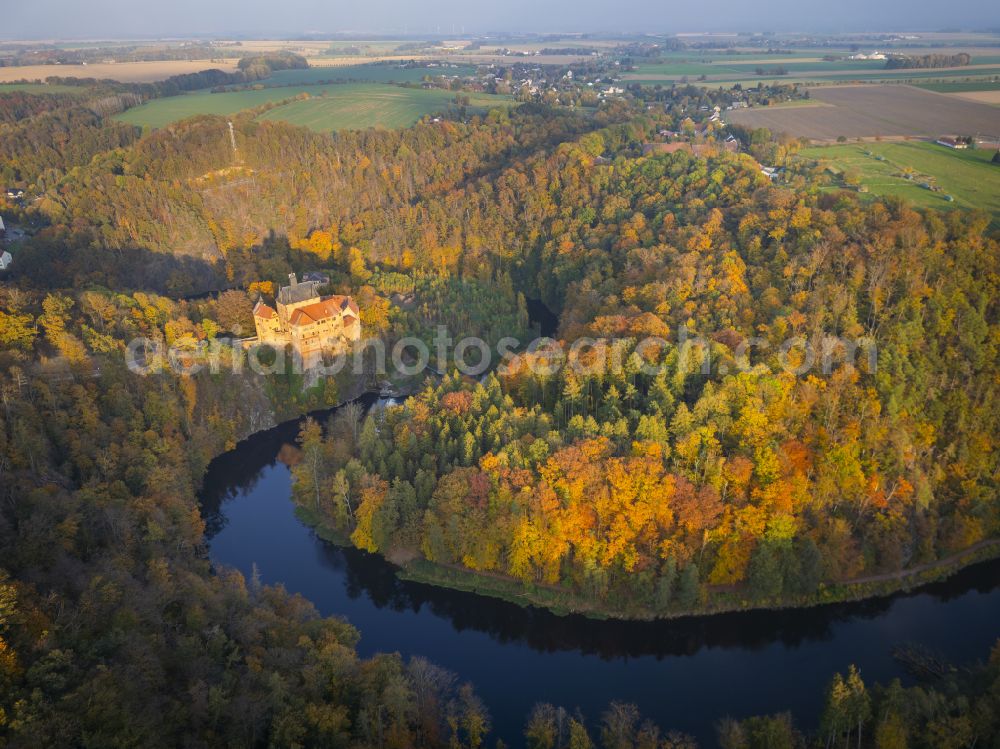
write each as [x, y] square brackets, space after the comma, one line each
[967, 176]
[334, 106]
[162, 112]
[368, 72]
[356, 106]
[960, 87]
[669, 71]
[818, 65]
[39, 88]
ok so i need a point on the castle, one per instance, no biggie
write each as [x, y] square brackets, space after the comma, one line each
[310, 323]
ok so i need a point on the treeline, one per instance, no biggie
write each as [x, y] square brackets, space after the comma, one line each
[928, 61]
[273, 61]
[575, 51]
[42, 55]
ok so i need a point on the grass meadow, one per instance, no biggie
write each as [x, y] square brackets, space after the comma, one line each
[967, 176]
[330, 107]
[358, 106]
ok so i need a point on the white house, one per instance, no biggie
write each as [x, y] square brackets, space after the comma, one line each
[5, 260]
[876, 55]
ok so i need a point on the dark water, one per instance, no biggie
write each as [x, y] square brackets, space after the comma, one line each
[684, 674]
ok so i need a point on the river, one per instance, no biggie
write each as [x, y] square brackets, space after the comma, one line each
[684, 674]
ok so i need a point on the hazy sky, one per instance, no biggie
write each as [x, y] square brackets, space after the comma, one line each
[102, 18]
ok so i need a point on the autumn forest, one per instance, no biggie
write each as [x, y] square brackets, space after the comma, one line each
[699, 465]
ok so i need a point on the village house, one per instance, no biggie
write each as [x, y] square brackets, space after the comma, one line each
[311, 324]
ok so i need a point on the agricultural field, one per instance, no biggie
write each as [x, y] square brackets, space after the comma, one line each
[330, 107]
[125, 72]
[961, 87]
[986, 97]
[319, 47]
[745, 67]
[350, 61]
[911, 169]
[351, 53]
[358, 106]
[874, 111]
[802, 66]
[368, 72]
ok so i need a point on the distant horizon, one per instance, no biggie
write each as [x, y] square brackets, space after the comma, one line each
[373, 35]
[185, 19]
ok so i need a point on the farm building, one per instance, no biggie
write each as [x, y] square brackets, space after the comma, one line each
[951, 143]
[876, 55]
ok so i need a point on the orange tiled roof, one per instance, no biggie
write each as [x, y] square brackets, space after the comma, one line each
[323, 309]
[264, 311]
